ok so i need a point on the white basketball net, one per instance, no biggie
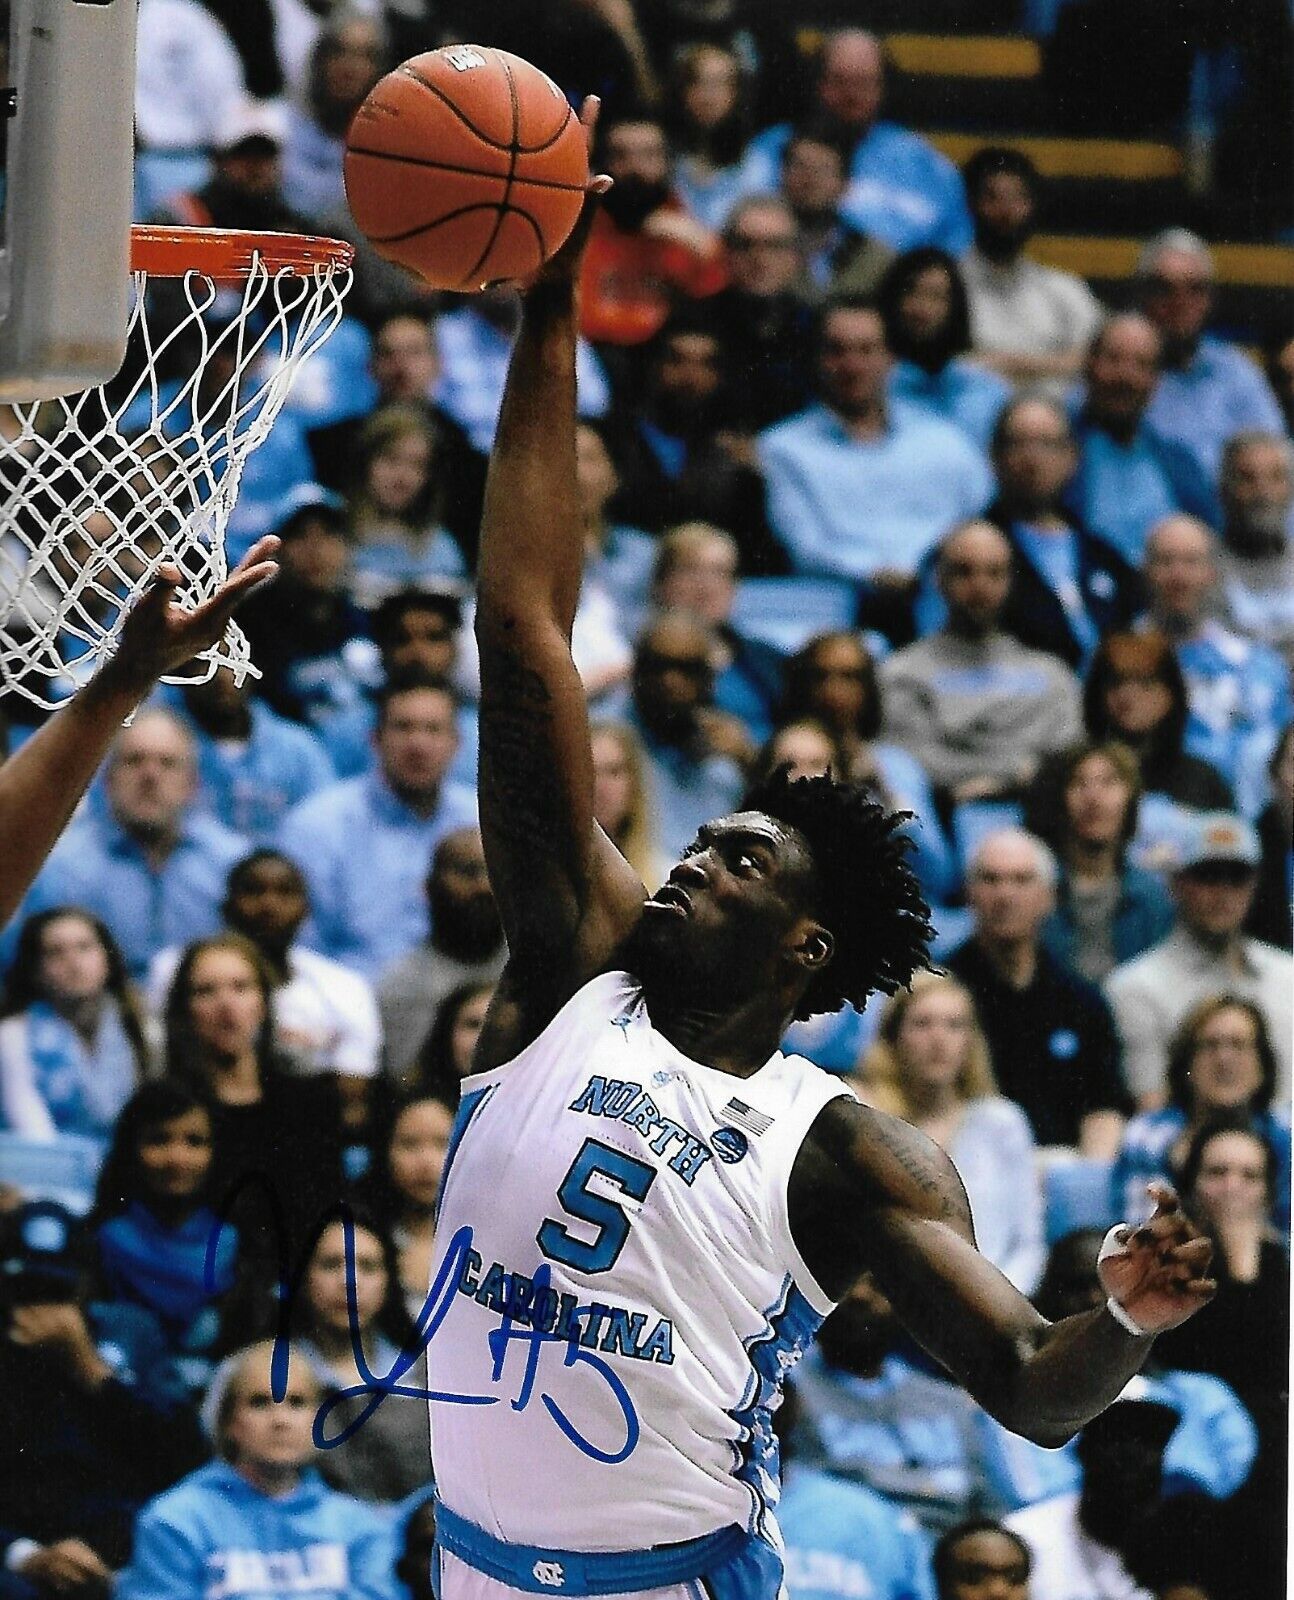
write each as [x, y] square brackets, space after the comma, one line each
[99, 489]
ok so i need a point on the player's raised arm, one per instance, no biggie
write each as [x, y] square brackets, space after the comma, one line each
[565, 895]
[41, 785]
[906, 1219]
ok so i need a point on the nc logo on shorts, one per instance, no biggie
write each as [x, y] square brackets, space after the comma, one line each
[463, 58]
[549, 1573]
[730, 1144]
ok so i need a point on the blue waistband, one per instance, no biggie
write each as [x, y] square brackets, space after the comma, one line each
[581, 1572]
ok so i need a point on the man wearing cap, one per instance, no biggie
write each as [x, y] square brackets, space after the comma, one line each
[246, 188]
[1206, 953]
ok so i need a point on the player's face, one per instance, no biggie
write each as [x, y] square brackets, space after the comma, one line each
[175, 1156]
[988, 1566]
[326, 1288]
[73, 962]
[724, 915]
[1226, 1069]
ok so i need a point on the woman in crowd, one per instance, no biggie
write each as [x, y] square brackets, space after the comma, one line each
[153, 1222]
[398, 538]
[277, 1138]
[404, 1186]
[258, 1520]
[805, 746]
[73, 1044]
[923, 303]
[1221, 1063]
[388, 1455]
[1135, 693]
[1084, 804]
[1229, 1177]
[620, 803]
[930, 1065]
[709, 125]
[832, 680]
[348, 57]
[1271, 917]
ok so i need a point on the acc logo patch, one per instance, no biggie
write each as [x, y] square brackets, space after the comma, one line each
[729, 1144]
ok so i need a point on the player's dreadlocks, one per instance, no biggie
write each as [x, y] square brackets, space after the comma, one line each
[868, 895]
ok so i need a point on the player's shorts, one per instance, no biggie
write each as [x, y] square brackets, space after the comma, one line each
[469, 1564]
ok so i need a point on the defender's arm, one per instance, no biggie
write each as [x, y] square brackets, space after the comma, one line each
[565, 895]
[906, 1219]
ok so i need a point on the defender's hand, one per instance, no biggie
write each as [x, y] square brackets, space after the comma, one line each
[1157, 1272]
[158, 636]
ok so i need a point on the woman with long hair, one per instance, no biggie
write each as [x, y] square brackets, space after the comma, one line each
[930, 1065]
[153, 1224]
[389, 1454]
[1135, 693]
[1221, 1063]
[923, 303]
[404, 1185]
[1084, 803]
[620, 802]
[73, 1042]
[1229, 1176]
[708, 117]
[832, 680]
[278, 1138]
[399, 539]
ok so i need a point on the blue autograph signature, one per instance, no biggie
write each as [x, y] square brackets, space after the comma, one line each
[377, 1388]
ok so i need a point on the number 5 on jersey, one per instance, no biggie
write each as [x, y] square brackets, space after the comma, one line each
[633, 1178]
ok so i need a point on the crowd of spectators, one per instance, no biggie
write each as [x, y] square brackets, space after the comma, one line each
[864, 489]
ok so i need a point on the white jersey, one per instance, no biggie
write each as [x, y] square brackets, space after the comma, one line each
[616, 1294]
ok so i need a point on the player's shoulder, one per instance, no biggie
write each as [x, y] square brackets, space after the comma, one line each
[882, 1161]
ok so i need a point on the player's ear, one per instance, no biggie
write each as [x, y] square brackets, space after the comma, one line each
[814, 947]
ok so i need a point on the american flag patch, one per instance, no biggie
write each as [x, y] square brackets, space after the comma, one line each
[747, 1117]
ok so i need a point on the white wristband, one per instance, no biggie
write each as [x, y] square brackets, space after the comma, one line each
[20, 1553]
[1127, 1323]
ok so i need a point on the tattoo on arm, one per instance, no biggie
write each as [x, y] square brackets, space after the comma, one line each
[940, 1189]
[519, 783]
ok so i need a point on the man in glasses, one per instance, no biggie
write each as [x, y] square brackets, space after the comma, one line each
[1208, 390]
[1206, 953]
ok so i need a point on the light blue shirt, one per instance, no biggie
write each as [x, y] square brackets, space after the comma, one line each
[962, 393]
[901, 190]
[213, 1533]
[843, 1542]
[365, 856]
[335, 383]
[1220, 392]
[252, 784]
[846, 508]
[1238, 693]
[98, 866]
[474, 357]
[1125, 491]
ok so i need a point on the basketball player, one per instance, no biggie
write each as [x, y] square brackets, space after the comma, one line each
[647, 1209]
[41, 785]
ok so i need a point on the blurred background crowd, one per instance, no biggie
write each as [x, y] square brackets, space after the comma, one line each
[895, 462]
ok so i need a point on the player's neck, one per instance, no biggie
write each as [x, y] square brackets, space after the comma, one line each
[736, 1040]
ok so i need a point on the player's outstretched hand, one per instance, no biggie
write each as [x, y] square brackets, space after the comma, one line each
[159, 635]
[1158, 1272]
[564, 266]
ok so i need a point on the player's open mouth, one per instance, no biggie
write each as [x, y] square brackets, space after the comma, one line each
[669, 897]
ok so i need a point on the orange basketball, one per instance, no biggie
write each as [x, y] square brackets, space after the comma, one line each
[466, 165]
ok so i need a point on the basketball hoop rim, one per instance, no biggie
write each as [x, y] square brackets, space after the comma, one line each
[227, 255]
